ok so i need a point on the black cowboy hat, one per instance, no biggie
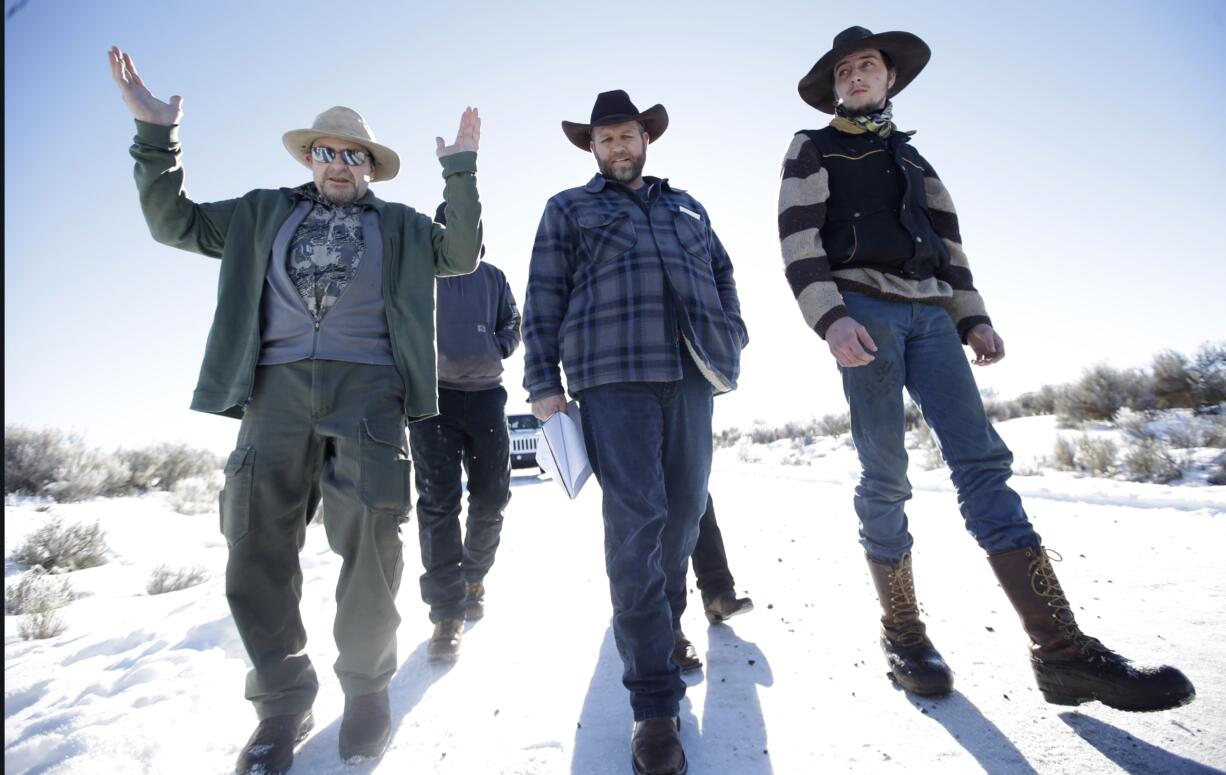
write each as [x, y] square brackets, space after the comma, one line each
[615, 107]
[908, 55]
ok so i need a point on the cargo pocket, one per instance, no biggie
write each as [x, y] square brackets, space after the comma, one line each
[235, 499]
[386, 471]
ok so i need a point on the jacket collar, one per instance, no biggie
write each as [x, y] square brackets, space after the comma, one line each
[599, 182]
[308, 191]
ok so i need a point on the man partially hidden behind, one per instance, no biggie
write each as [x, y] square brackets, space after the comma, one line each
[323, 343]
[632, 292]
[478, 326]
[873, 253]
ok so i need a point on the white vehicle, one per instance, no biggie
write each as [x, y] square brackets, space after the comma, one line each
[524, 431]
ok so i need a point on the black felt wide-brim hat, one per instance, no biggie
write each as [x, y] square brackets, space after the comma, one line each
[615, 107]
[907, 53]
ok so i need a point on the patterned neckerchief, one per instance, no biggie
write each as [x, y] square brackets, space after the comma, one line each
[880, 123]
[325, 251]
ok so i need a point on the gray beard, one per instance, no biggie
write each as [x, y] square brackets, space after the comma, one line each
[343, 201]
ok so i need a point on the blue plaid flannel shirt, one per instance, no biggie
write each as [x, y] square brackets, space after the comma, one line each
[608, 271]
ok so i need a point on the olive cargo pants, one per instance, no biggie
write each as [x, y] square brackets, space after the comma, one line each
[317, 429]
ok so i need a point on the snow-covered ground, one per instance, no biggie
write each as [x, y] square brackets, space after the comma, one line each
[141, 683]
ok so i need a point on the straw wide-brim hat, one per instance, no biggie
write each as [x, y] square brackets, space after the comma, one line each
[343, 124]
[907, 52]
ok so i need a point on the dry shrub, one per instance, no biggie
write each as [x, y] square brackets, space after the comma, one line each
[166, 579]
[1064, 455]
[60, 546]
[35, 598]
[1096, 455]
[1149, 461]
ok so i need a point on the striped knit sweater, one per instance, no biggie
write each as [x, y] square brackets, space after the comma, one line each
[803, 194]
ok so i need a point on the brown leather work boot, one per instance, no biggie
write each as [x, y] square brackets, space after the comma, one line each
[1070, 666]
[445, 643]
[684, 653]
[915, 664]
[474, 601]
[655, 747]
[724, 605]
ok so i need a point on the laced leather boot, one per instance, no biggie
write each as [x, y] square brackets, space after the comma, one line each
[1070, 666]
[444, 644]
[270, 751]
[655, 747]
[684, 653]
[914, 662]
[724, 605]
[474, 600]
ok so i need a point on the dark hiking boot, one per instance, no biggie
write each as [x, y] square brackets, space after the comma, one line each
[270, 751]
[655, 747]
[724, 605]
[1070, 666]
[445, 643]
[915, 664]
[366, 726]
[684, 653]
[474, 601]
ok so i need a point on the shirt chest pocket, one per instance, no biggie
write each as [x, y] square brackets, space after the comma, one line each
[606, 235]
[693, 234]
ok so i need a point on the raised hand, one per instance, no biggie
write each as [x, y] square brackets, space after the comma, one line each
[466, 139]
[144, 106]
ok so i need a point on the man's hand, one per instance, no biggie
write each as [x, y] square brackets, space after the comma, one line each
[847, 340]
[466, 139]
[544, 408]
[144, 106]
[988, 347]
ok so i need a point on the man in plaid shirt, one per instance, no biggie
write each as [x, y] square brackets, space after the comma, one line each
[632, 292]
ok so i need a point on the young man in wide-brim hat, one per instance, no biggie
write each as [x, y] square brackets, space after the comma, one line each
[873, 253]
[632, 293]
[323, 343]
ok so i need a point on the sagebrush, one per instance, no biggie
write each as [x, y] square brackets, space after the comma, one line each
[60, 545]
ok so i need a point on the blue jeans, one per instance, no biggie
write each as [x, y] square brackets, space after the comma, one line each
[918, 348]
[650, 448]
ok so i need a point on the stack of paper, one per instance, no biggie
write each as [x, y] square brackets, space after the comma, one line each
[560, 450]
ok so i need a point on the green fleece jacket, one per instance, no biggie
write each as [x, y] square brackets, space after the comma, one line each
[241, 231]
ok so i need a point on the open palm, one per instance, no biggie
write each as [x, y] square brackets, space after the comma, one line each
[466, 139]
[142, 103]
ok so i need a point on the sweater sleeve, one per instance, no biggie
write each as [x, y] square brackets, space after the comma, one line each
[173, 218]
[803, 192]
[967, 308]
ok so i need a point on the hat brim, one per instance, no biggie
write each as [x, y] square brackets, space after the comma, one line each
[385, 163]
[654, 120]
[908, 53]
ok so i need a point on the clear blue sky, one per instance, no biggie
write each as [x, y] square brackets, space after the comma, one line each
[1081, 143]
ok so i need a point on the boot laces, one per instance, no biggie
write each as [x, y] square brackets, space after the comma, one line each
[1045, 584]
[904, 608]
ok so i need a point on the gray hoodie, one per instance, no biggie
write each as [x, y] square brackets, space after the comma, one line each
[478, 325]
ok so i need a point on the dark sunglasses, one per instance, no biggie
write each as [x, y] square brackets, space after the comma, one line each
[324, 155]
